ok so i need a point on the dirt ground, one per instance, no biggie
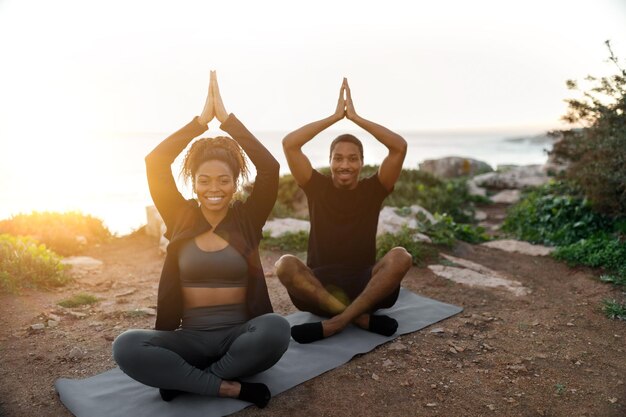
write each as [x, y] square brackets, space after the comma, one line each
[549, 353]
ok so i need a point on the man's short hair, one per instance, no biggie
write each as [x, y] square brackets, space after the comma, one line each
[346, 137]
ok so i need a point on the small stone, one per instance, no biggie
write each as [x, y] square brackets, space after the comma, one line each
[149, 311]
[542, 356]
[375, 377]
[438, 330]
[77, 314]
[53, 323]
[431, 405]
[387, 363]
[38, 326]
[126, 293]
[570, 324]
[613, 400]
[491, 407]
[76, 353]
[452, 350]
[397, 346]
[53, 317]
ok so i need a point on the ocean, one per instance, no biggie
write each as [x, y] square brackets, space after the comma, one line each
[105, 175]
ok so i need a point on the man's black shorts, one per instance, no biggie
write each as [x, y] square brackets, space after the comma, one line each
[345, 284]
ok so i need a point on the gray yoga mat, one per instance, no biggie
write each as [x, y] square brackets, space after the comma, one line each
[112, 393]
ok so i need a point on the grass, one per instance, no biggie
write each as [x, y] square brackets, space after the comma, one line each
[78, 300]
[613, 309]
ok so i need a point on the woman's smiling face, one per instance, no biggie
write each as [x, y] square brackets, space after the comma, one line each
[214, 184]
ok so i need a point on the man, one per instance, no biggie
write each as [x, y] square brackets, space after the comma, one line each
[342, 279]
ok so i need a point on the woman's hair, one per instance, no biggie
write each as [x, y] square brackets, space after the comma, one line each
[221, 148]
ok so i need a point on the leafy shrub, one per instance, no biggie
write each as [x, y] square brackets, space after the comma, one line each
[60, 232]
[413, 187]
[78, 300]
[291, 242]
[596, 154]
[26, 263]
[613, 309]
[420, 251]
[445, 231]
[554, 214]
[601, 250]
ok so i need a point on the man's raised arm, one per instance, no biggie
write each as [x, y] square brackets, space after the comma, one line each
[299, 164]
[391, 167]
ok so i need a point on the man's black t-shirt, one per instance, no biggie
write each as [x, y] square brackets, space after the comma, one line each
[343, 222]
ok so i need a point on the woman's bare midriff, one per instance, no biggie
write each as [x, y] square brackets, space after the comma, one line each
[207, 297]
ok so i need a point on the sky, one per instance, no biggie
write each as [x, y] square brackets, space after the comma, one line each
[73, 72]
[76, 66]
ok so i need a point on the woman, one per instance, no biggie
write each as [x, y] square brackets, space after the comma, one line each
[214, 319]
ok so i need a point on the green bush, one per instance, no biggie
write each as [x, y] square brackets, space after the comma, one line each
[445, 231]
[290, 242]
[26, 263]
[599, 251]
[58, 231]
[554, 214]
[413, 187]
[421, 252]
[596, 154]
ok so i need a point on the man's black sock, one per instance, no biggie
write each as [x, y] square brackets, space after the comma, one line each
[384, 325]
[169, 394]
[307, 332]
[255, 393]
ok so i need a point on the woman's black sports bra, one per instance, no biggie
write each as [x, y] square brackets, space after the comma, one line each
[223, 268]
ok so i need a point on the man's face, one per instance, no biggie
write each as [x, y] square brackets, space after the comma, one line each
[345, 165]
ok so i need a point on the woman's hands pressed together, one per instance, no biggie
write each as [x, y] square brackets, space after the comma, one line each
[213, 106]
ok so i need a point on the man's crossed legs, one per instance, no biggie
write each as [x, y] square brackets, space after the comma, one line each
[302, 284]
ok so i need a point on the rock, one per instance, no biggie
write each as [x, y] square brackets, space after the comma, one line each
[474, 278]
[391, 221]
[147, 310]
[510, 245]
[77, 314]
[126, 292]
[515, 178]
[156, 227]
[38, 326]
[54, 317]
[507, 197]
[480, 215]
[155, 221]
[438, 330]
[82, 264]
[454, 166]
[387, 363]
[76, 353]
[397, 346]
[375, 377]
[279, 227]
[474, 189]
[53, 323]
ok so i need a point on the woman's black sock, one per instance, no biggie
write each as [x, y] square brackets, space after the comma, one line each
[169, 394]
[307, 332]
[255, 393]
[384, 325]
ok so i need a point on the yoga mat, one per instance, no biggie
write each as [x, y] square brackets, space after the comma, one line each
[112, 393]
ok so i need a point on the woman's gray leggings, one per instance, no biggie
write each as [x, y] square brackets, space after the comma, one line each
[198, 360]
